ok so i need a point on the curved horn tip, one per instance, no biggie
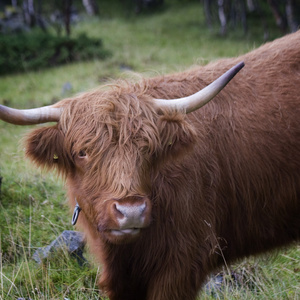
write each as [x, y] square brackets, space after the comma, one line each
[240, 65]
[200, 98]
[5, 114]
[228, 75]
[237, 67]
[29, 116]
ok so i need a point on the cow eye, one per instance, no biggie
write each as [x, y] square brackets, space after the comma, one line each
[82, 154]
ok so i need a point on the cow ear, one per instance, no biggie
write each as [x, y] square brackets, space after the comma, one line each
[45, 147]
[177, 135]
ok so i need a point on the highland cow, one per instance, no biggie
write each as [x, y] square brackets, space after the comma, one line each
[167, 191]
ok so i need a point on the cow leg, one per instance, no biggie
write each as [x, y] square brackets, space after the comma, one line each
[117, 284]
[175, 285]
[175, 275]
[165, 286]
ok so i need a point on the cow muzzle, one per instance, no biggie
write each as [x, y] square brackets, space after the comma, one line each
[128, 216]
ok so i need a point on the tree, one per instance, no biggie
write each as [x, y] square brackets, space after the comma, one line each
[67, 4]
[91, 7]
[290, 9]
[28, 12]
[286, 13]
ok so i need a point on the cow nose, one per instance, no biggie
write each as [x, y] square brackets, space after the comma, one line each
[130, 215]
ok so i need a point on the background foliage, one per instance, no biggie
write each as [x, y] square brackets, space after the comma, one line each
[33, 210]
[55, 45]
[23, 51]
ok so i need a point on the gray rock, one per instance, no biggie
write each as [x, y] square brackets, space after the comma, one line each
[66, 88]
[214, 284]
[71, 241]
[217, 283]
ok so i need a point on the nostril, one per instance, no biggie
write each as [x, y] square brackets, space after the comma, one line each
[131, 213]
[142, 208]
[130, 210]
[118, 211]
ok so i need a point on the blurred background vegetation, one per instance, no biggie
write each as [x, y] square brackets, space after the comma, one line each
[36, 33]
[55, 49]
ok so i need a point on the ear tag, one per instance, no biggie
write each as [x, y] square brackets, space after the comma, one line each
[55, 157]
[76, 212]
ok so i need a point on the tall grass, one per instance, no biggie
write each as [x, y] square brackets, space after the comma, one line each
[32, 204]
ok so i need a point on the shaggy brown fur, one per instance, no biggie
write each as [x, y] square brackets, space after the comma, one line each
[224, 178]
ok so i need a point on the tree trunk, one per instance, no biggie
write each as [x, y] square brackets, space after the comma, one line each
[222, 17]
[28, 12]
[207, 12]
[279, 18]
[290, 15]
[251, 5]
[14, 3]
[241, 8]
[91, 7]
[67, 15]
[39, 19]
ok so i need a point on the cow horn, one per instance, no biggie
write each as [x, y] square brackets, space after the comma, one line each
[30, 116]
[199, 99]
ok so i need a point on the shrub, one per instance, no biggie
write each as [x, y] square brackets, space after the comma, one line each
[20, 52]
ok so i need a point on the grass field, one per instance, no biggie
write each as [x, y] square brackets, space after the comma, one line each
[33, 208]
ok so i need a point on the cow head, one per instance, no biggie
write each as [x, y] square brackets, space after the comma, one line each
[109, 145]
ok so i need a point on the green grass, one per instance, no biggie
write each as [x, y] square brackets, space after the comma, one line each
[33, 208]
